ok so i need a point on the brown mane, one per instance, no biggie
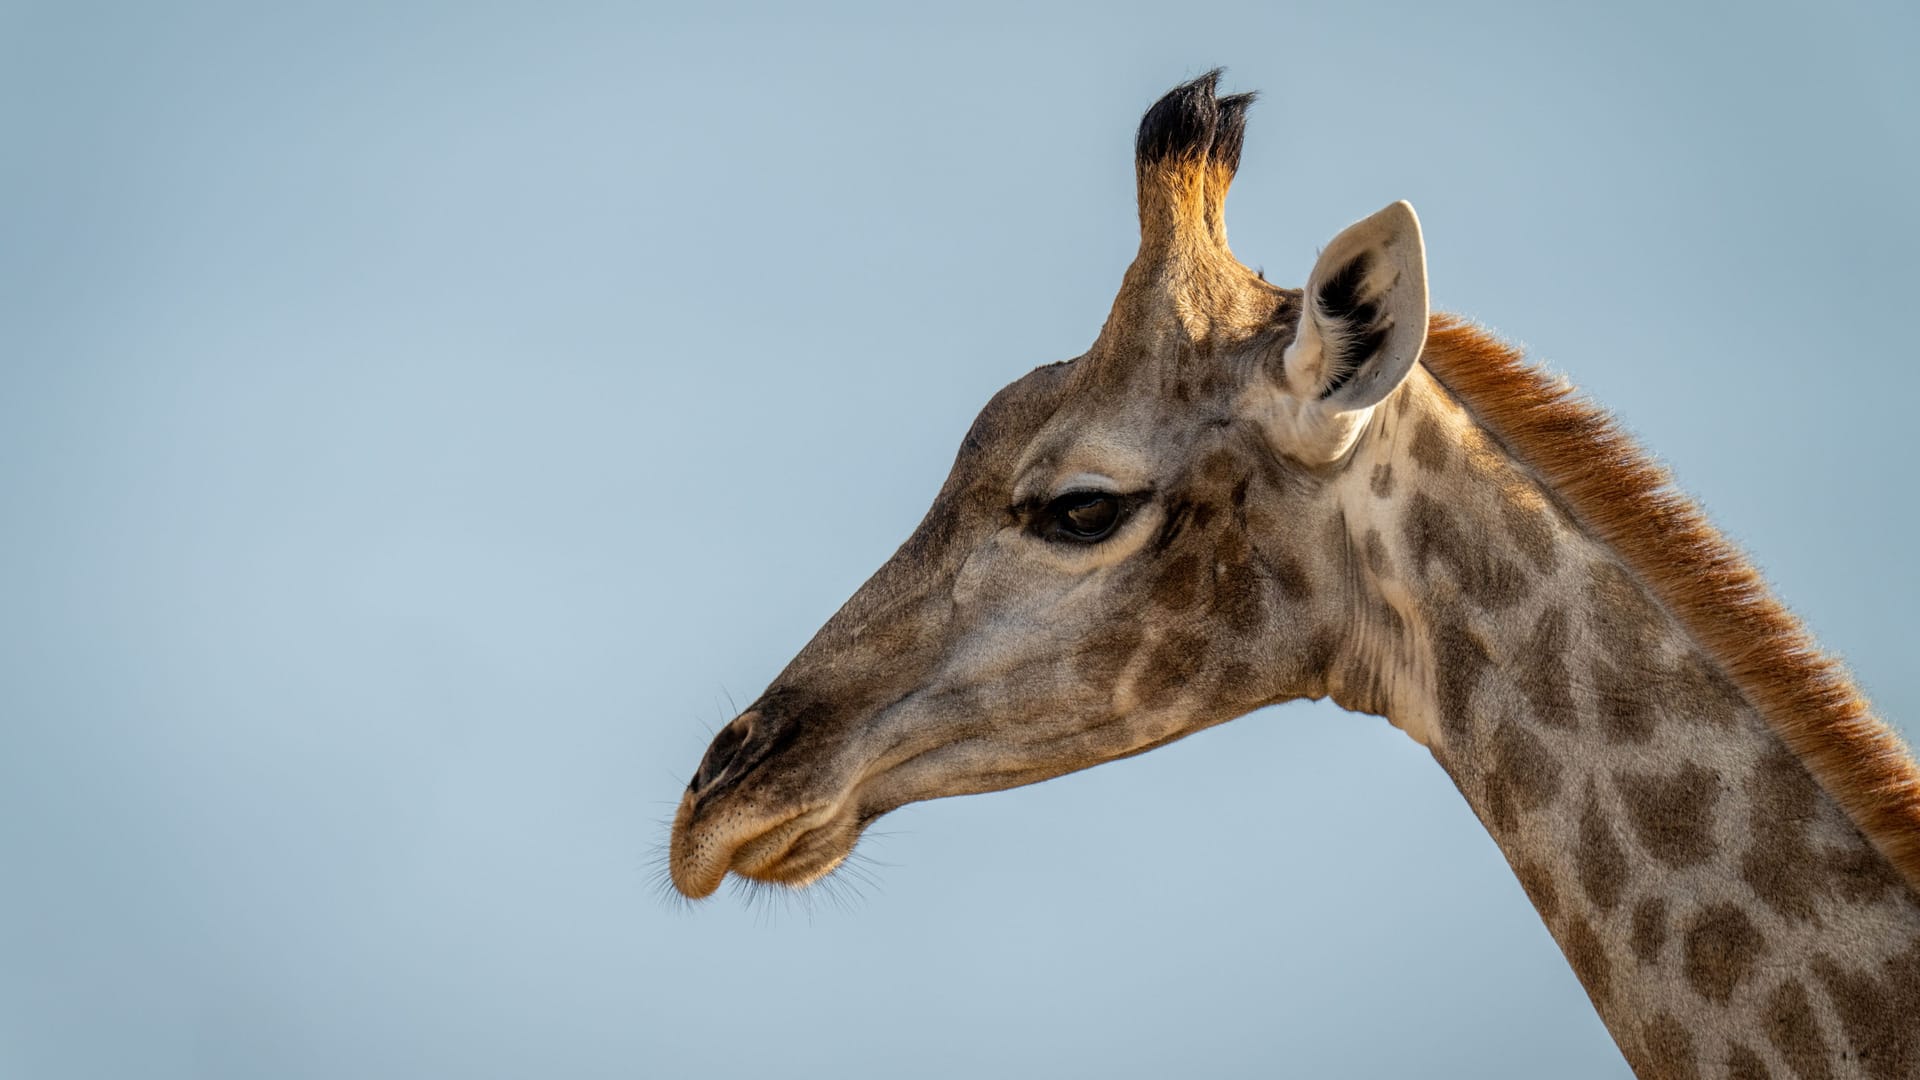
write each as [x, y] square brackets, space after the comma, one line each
[1630, 503]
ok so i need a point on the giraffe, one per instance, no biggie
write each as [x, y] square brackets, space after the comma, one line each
[1243, 494]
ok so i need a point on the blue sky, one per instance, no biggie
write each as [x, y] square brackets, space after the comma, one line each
[418, 423]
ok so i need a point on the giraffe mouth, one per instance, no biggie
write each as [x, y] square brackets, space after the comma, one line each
[795, 849]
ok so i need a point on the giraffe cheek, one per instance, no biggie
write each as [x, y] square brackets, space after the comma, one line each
[1126, 697]
[972, 584]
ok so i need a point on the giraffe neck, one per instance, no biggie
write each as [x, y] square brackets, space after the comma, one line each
[1724, 913]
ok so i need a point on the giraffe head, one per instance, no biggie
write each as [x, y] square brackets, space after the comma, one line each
[1131, 546]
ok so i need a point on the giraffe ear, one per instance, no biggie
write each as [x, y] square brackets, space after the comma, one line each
[1365, 317]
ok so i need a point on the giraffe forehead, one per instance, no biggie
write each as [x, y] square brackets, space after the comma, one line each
[1139, 443]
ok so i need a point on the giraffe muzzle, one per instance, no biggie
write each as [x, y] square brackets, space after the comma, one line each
[746, 812]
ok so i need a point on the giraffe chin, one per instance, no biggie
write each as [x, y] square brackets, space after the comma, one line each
[795, 849]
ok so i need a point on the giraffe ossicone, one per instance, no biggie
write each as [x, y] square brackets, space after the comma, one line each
[1243, 494]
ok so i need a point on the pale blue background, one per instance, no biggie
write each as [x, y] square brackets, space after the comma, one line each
[417, 422]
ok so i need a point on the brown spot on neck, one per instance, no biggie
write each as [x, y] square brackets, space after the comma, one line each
[1667, 1050]
[1787, 870]
[1376, 553]
[1600, 862]
[1880, 1011]
[1433, 534]
[1543, 677]
[1460, 657]
[1672, 814]
[1588, 956]
[1778, 862]
[1537, 882]
[1623, 622]
[1794, 1032]
[1381, 480]
[1531, 530]
[1649, 929]
[1522, 763]
[1720, 951]
[1429, 447]
[1624, 617]
[1624, 702]
[1699, 691]
[1744, 1064]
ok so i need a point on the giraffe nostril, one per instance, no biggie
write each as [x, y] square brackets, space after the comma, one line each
[726, 746]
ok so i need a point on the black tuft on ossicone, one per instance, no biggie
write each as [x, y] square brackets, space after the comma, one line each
[1231, 130]
[1181, 125]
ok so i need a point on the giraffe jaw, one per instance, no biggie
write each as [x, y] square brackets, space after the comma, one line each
[733, 829]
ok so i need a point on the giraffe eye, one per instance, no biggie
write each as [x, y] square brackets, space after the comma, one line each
[1083, 517]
